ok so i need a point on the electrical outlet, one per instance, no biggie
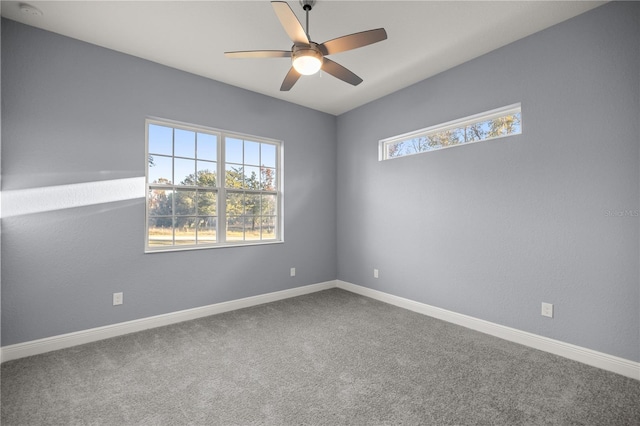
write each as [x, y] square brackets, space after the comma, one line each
[547, 310]
[293, 272]
[117, 299]
[375, 273]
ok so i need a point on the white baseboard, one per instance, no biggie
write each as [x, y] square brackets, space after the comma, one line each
[35, 347]
[586, 356]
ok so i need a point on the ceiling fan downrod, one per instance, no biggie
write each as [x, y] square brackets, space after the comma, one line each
[307, 5]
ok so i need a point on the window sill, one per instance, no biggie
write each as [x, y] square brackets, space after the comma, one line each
[217, 246]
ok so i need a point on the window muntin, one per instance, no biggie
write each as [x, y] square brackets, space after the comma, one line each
[189, 205]
[488, 125]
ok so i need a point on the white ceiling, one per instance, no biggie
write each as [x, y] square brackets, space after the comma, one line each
[424, 38]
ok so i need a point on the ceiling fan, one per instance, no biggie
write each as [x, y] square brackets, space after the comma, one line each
[308, 57]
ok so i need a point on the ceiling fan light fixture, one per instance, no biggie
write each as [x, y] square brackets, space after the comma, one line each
[307, 61]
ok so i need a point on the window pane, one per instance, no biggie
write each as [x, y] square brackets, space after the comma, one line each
[418, 145]
[235, 228]
[234, 177]
[506, 125]
[252, 204]
[185, 143]
[185, 231]
[252, 228]
[207, 230]
[269, 203]
[476, 132]
[185, 171]
[185, 202]
[207, 147]
[233, 151]
[268, 157]
[235, 204]
[160, 140]
[268, 228]
[456, 136]
[268, 179]
[252, 177]
[207, 203]
[252, 153]
[160, 231]
[160, 202]
[206, 173]
[517, 123]
[160, 169]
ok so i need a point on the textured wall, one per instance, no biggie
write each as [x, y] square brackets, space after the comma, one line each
[74, 113]
[495, 228]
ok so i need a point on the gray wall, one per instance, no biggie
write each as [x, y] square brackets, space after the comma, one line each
[74, 112]
[493, 229]
[0, 176]
[488, 230]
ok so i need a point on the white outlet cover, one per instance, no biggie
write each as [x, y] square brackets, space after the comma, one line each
[117, 299]
[547, 310]
[293, 272]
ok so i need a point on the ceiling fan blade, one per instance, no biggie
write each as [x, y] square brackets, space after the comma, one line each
[352, 41]
[290, 22]
[259, 54]
[338, 71]
[290, 79]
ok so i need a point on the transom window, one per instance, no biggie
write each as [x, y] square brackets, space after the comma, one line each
[492, 124]
[210, 188]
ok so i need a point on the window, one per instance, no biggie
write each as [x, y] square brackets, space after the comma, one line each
[210, 188]
[492, 124]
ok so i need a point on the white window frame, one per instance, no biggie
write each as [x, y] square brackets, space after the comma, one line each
[450, 125]
[220, 189]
